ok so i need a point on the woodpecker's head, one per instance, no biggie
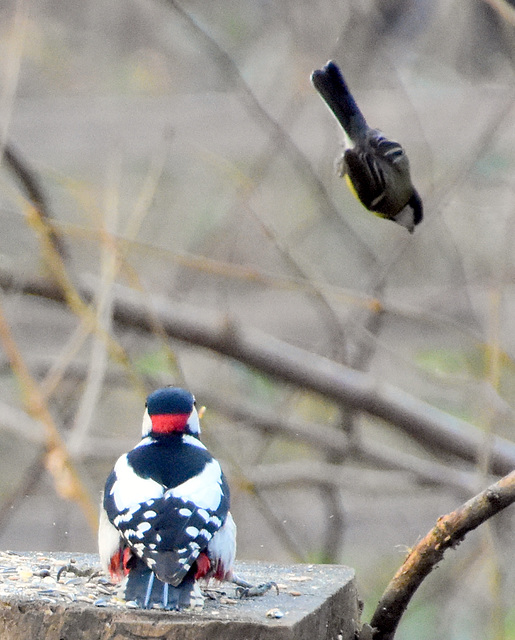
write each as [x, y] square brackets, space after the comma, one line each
[170, 410]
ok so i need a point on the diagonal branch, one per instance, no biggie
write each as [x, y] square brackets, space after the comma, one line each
[359, 390]
[336, 445]
[67, 481]
[30, 183]
[418, 419]
[505, 10]
[448, 532]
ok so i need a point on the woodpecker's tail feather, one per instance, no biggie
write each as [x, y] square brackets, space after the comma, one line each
[330, 84]
[145, 589]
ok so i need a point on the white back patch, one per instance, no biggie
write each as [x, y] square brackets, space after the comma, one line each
[204, 490]
[194, 442]
[130, 489]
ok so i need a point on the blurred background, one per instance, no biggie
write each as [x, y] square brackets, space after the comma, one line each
[175, 157]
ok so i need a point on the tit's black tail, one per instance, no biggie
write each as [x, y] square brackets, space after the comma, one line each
[330, 84]
[145, 589]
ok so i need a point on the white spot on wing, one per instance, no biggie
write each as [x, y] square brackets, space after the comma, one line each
[192, 532]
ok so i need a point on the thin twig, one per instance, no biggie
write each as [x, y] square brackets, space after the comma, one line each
[63, 362]
[231, 72]
[66, 479]
[35, 193]
[21, 424]
[324, 437]
[12, 55]
[60, 274]
[333, 536]
[98, 359]
[305, 272]
[297, 473]
[336, 447]
[504, 9]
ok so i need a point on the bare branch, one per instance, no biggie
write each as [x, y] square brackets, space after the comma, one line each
[231, 72]
[321, 436]
[334, 443]
[57, 460]
[29, 180]
[448, 532]
[98, 358]
[423, 470]
[324, 475]
[21, 424]
[504, 9]
[324, 438]
[274, 357]
[421, 421]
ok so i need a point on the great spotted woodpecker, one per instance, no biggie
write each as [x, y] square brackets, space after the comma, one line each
[165, 520]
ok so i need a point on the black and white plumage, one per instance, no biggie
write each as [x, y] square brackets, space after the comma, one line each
[165, 521]
[376, 168]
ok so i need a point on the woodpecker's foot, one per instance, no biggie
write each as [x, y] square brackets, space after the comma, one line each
[213, 594]
[246, 590]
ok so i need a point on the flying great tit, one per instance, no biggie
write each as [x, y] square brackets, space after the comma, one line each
[376, 168]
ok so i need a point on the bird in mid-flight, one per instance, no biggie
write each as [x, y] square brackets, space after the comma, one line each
[376, 168]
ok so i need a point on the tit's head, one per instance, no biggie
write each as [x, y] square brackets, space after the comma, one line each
[411, 214]
[170, 410]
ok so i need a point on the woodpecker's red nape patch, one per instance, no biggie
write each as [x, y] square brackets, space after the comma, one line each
[167, 422]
